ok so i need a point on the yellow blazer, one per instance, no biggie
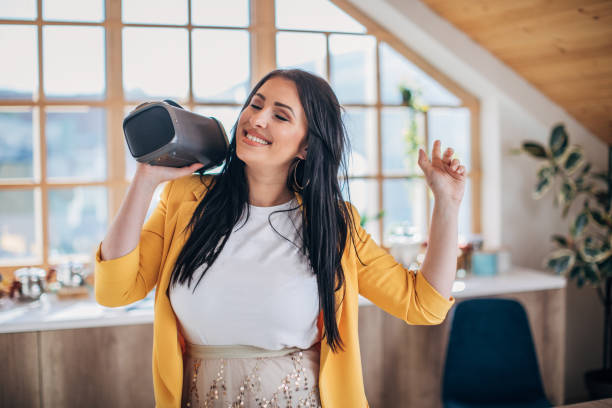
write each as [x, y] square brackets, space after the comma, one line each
[403, 293]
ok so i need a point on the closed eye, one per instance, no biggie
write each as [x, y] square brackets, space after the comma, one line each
[281, 118]
[255, 106]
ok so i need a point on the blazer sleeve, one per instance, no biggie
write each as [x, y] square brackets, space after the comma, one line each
[128, 278]
[403, 293]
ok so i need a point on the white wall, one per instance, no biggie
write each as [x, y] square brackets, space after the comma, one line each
[511, 111]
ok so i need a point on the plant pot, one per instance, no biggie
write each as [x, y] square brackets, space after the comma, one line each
[599, 383]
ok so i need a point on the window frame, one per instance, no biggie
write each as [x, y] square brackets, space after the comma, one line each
[262, 30]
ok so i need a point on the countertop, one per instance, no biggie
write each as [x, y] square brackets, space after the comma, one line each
[50, 313]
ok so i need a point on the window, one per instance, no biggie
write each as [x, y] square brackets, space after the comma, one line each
[77, 68]
[72, 78]
[366, 73]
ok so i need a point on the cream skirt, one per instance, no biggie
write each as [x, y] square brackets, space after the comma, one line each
[248, 376]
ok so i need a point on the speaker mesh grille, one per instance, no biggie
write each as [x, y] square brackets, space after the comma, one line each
[148, 131]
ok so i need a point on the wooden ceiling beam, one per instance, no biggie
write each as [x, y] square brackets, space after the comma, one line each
[562, 47]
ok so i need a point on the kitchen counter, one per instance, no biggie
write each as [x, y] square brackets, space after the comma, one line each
[50, 313]
[65, 352]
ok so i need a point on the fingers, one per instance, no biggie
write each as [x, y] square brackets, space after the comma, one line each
[194, 167]
[448, 153]
[454, 164]
[435, 154]
[423, 161]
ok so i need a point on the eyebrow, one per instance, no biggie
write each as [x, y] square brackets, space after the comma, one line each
[277, 103]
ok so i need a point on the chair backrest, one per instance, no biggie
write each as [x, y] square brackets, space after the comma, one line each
[490, 355]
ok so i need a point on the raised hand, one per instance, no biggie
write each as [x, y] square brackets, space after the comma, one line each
[445, 177]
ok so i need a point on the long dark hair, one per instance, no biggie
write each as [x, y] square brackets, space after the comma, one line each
[325, 216]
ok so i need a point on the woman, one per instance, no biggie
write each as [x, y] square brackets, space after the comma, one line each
[257, 270]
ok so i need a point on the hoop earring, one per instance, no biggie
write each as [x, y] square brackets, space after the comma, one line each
[295, 176]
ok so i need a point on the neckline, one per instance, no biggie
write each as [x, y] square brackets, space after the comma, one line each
[272, 208]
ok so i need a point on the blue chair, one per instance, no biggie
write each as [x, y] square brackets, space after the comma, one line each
[490, 360]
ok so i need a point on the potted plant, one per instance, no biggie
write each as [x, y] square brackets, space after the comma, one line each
[585, 254]
[411, 98]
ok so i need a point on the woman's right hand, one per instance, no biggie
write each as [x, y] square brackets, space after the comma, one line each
[154, 175]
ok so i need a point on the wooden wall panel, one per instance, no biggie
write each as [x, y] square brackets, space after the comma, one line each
[97, 367]
[19, 379]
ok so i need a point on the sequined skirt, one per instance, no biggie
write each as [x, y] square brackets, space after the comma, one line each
[248, 376]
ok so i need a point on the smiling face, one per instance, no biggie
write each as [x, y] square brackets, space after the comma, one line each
[271, 130]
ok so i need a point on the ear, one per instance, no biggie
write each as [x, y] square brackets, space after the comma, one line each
[302, 152]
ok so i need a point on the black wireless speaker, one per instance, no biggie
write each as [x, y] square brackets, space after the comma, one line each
[165, 134]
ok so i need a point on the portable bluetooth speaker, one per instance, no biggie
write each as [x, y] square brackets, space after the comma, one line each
[165, 134]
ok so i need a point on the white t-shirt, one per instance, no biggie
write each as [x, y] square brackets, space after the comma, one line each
[260, 291]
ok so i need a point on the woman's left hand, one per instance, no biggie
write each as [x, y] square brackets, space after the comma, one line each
[444, 176]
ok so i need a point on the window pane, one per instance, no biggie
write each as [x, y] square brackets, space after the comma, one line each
[221, 69]
[364, 196]
[227, 115]
[154, 11]
[315, 15]
[215, 13]
[155, 200]
[73, 10]
[130, 162]
[305, 51]
[405, 208]
[17, 143]
[396, 70]
[76, 144]
[18, 10]
[77, 220]
[20, 241]
[74, 62]
[360, 124]
[452, 127]
[19, 73]
[155, 63]
[403, 131]
[353, 68]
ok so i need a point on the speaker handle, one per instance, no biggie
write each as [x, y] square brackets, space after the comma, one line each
[171, 102]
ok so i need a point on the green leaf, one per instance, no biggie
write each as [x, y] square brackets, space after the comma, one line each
[593, 253]
[600, 218]
[585, 169]
[558, 141]
[561, 260]
[546, 170]
[580, 223]
[590, 273]
[560, 240]
[575, 272]
[605, 267]
[602, 197]
[535, 149]
[573, 160]
[406, 97]
[567, 192]
[541, 187]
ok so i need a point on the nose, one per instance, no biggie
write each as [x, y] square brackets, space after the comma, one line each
[259, 119]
